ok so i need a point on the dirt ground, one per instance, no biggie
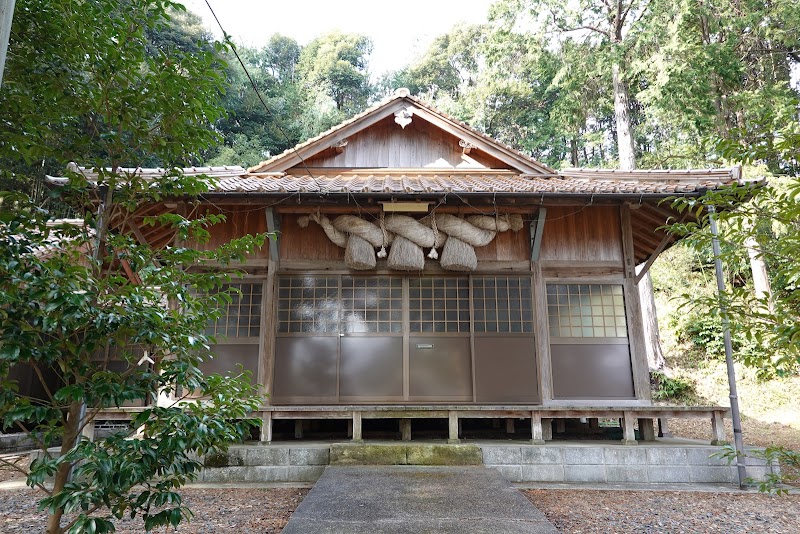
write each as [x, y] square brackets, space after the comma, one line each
[599, 511]
[218, 510]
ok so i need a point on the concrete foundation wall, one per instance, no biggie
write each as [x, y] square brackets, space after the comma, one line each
[599, 464]
[273, 463]
[617, 464]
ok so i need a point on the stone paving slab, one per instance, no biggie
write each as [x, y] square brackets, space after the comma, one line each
[415, 499]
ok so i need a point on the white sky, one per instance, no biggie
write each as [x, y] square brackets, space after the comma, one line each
[399, 30]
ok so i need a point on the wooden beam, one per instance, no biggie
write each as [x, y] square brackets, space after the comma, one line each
[537, 231]
[659, 249]
[473, 209]
[273, 239]
[665, 241]
[627, 241]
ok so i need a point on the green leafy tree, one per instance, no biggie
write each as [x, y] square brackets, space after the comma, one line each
[335, 66]
[251, 131]
[116, 320]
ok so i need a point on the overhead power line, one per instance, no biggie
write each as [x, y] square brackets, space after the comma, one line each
[230, 43]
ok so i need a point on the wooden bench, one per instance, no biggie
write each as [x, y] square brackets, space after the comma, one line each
[540, 417]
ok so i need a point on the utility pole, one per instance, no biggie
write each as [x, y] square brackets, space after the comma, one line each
[6, 15]
[738, 442]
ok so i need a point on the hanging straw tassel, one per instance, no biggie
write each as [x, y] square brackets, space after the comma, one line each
[458, 256]
[382, 225]
[433, 254]
[359, 254]
[405, 255]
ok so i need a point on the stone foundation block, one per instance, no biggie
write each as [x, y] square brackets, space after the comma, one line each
[626, 473]
[583, 456]
[542, 455]
[659, 474]
[542, 473]
[666, 456]
[624, 456]
[502, 455]
[712, 474]
[585, 473]
[704, 456]
[310, 456]
[263, 473]
[223, 475]
[267, 455]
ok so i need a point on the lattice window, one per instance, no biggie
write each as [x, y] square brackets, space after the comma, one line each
[308, 304]
[372, 304]
[586, 310]
[439, 304]
[502, 304]
[241, 318]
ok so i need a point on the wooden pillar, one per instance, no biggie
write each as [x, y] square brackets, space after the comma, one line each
[594, 422]
[88, 430]
[628, 432]
[266, 361]
[647, 429]
[537, 436]
[542, 333]
[663, 429]
[349, 428]
[357, 427]
[718, 429]
[510, 426]
[405, 429]
[561, 426]
[298, 429]
[266, 427]
[452, 420]
[547, 429]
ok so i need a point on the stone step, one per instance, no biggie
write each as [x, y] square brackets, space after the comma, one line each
[404, 454]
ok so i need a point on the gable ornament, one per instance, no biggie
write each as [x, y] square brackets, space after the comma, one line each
[403, 116]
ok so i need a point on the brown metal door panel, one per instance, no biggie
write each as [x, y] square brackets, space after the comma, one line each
[371, 367]
[227, 358]
[597, 371]
[440, 368]
[505, 369]
[305, 369]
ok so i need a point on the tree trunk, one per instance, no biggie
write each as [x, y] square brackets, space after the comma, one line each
[627, 161]
[655, 356]
[622, 114]
[63, 473]
[573, 152]
[759, 268]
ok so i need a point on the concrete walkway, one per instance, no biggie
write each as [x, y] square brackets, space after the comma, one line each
[415, 500]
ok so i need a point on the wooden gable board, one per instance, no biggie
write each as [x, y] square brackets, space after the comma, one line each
[296, 157]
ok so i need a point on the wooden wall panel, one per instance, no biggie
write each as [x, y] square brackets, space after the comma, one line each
[587, 234]
[388, 145]
[309, 243]
[240, 221]
[507, 246]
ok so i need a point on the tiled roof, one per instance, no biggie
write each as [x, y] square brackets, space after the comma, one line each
[154, 172]
[233, 180]
[432, 182]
